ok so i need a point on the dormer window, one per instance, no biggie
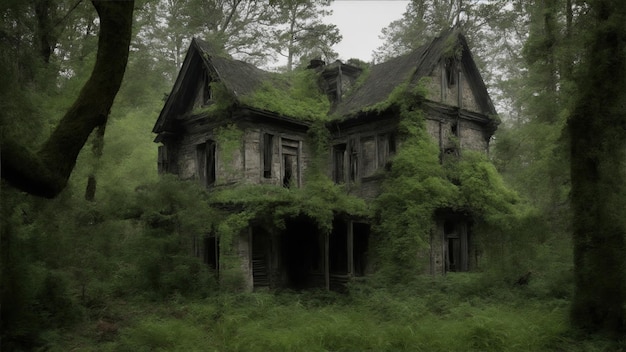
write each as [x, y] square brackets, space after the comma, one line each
[207, 93]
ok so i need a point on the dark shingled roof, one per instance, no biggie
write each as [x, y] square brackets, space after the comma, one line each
[239, 77]
[242, 78]
[385, 77]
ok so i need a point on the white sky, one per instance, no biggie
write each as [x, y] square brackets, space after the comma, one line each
[360, 22]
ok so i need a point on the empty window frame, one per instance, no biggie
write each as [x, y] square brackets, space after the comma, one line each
[207, 92]
[354, 161]
[451, 72]
[205, 162]
[290, 162]
[339, 166]
[268, 154]
[386, 148]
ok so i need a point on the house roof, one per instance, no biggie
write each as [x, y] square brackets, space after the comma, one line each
[409, 68]
[243, 79]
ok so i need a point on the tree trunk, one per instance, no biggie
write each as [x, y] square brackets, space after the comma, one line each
[597, 130]
[46, 172]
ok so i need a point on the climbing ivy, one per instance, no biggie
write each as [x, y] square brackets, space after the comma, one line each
[295, 94]
[419, 184]
[229, 141]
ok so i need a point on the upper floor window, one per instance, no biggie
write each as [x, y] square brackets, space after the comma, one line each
[290, 162]
[339, 166]
[451, 72]
[268, 152]
[365, 156]
[205, 162]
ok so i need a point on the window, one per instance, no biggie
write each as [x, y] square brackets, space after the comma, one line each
[451, 72]
[339, 157]
[354, 161]
[207, 93]
[163, 164]
[386, 148]
[268, 152]
[205, 162]
[290, 162]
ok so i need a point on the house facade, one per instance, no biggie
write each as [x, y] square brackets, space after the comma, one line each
[222, 126]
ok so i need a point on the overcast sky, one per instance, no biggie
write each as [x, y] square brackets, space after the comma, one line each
[360, 22]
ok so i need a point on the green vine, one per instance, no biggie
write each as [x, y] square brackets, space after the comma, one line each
[296, 95]
[229, 141]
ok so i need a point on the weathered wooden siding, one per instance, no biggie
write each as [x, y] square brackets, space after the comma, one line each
[472, 136]
[440, 91]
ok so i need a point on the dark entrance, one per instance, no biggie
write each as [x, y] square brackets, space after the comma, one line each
[302, 254]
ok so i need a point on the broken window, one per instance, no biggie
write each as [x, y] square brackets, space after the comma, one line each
[205, 162]
[207, 93]
[354, 161]
[163, 164]
[451, 72]
[339, 153]
[268, 153]
[386, 148]
[290, 162]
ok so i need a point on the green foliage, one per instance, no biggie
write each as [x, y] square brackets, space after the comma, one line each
[418, 185]
[295, 94]
[223, 101]
[229, 141]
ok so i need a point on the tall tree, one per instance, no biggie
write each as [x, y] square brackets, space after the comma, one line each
[46, 172]
[304, 35]
[597, 130]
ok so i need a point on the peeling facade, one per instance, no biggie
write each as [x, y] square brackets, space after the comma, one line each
[271, 148]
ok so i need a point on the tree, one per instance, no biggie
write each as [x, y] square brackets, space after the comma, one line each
[597, 132]
[46, 172]
[305, 35]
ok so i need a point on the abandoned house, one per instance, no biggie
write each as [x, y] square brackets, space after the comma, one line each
[213, 93]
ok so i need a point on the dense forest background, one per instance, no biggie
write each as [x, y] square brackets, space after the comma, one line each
[102, 266]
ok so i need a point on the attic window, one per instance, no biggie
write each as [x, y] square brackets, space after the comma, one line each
[454, 129]
[451, 72]
[207, 97]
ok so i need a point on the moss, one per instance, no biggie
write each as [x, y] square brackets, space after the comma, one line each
[296, 95]
[229, 141]
[223, 101]
[418, 185]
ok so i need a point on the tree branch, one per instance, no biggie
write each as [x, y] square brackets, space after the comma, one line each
[46, 173]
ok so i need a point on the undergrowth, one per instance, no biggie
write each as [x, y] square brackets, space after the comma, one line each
[454, 313]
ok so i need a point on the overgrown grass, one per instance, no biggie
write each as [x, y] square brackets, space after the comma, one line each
[456, 313]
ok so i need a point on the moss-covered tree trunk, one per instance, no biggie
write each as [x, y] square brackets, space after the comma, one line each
[597, 128]
[46, 172]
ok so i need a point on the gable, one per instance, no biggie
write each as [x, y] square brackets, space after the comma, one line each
[423, 65]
